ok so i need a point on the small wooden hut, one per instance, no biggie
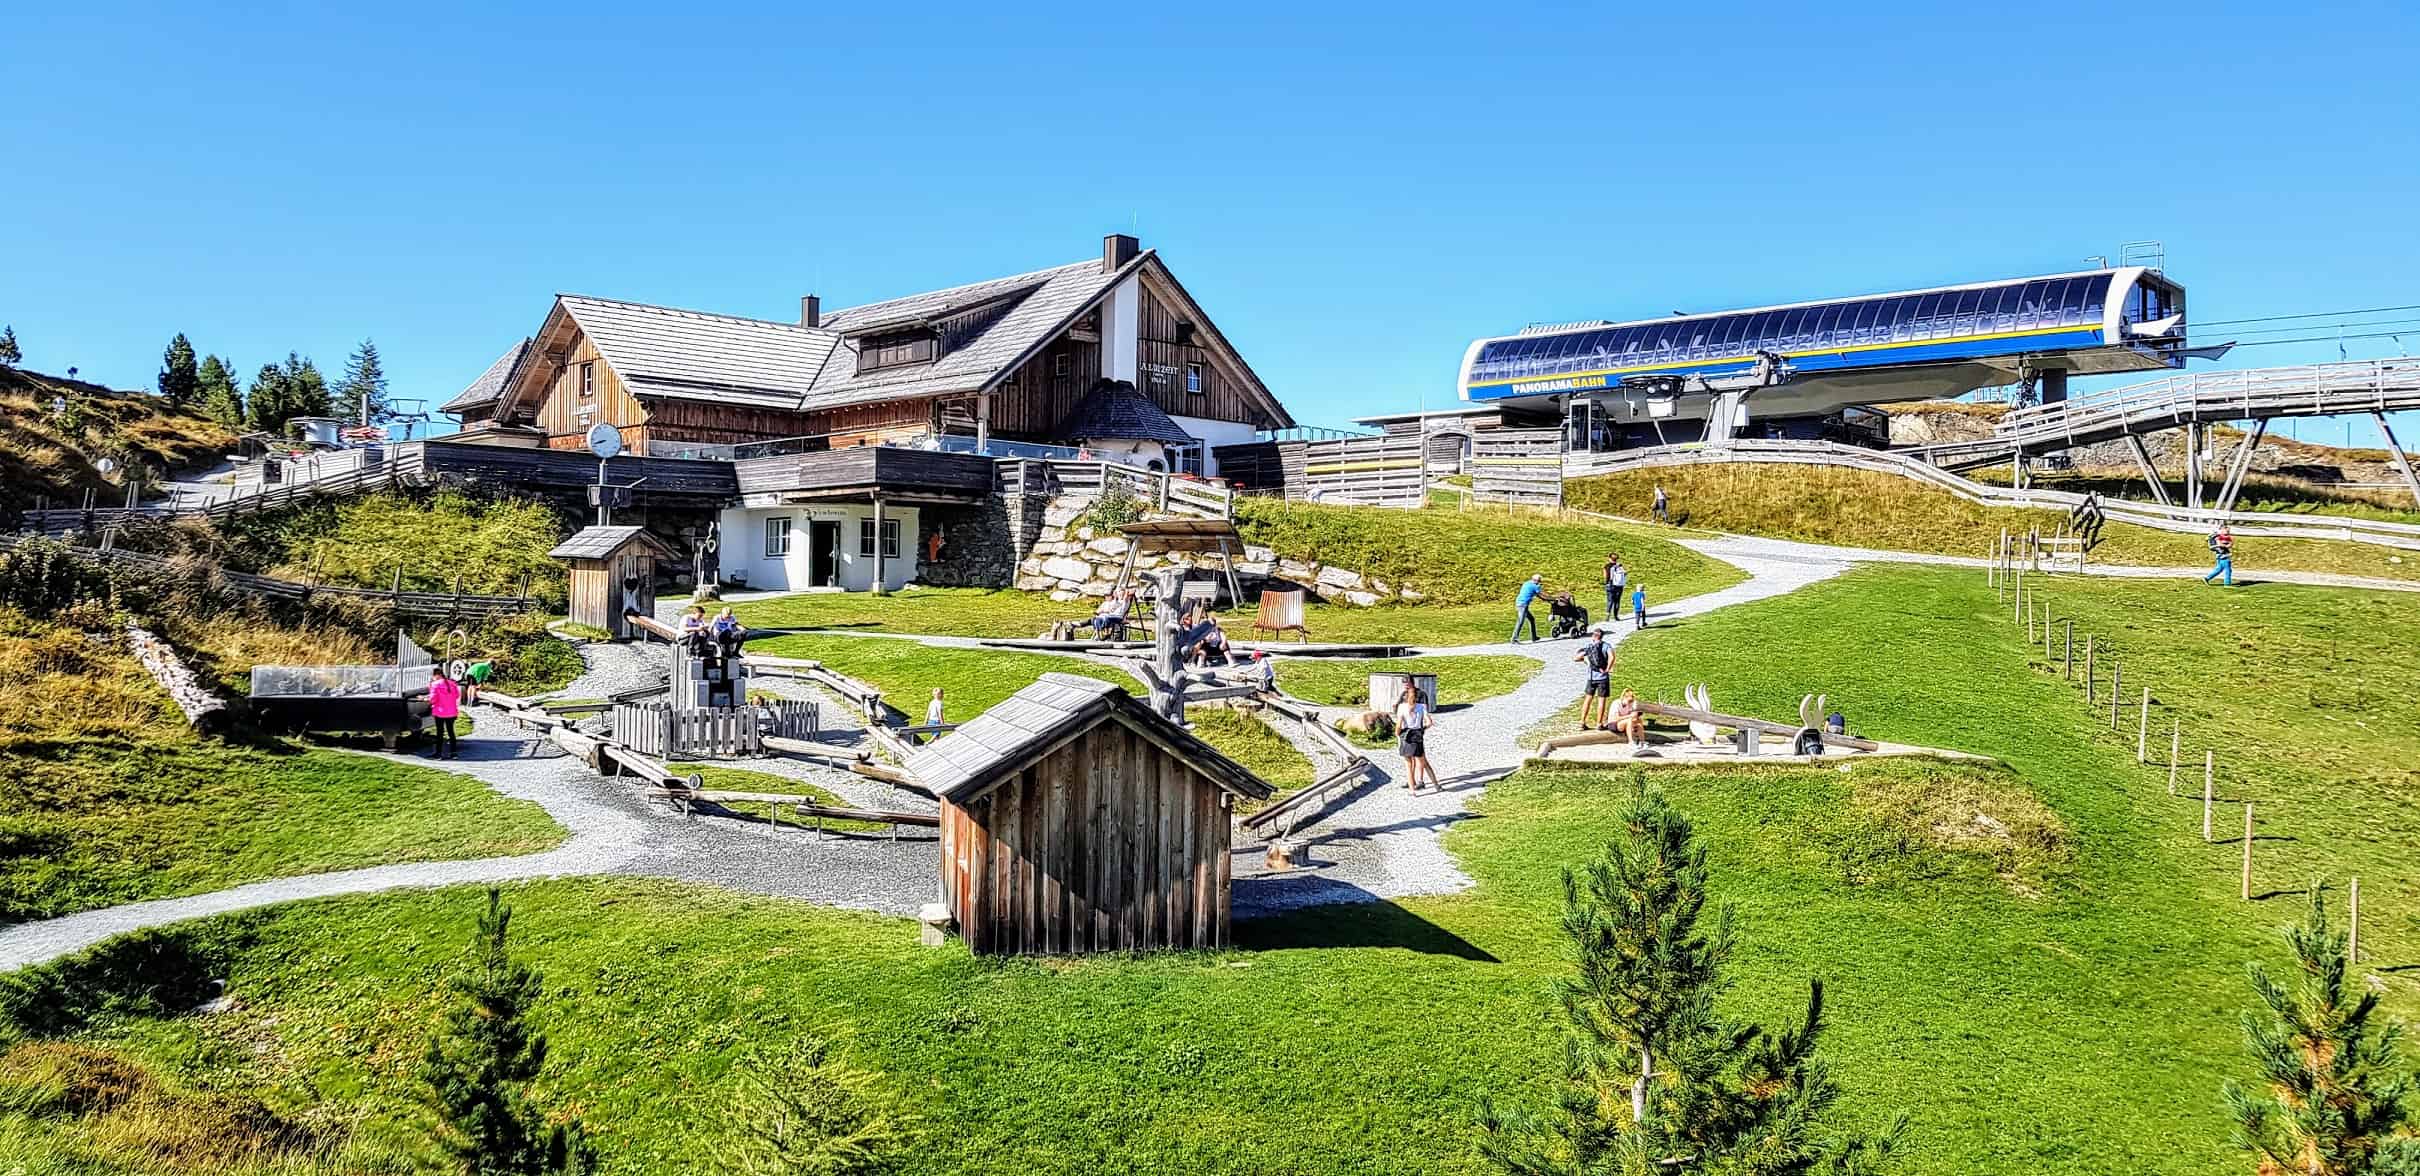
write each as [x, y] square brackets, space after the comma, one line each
[1074, 819]
[612, 575]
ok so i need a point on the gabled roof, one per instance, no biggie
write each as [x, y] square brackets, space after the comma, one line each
[1033, 722]
[663, 352]
[1115, 411]
[601, 542]
[490, 383]
[659, 351]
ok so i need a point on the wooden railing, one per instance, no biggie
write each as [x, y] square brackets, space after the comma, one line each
[1169, 493]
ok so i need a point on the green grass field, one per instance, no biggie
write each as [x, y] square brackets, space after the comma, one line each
[1861, 508]
[106, 797]
[1469, 564]
[2059, 999]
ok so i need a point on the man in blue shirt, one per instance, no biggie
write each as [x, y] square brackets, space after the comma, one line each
[1530, 591]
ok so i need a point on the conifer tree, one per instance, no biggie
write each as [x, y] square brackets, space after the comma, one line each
[216, 393]
[1656, 1078]
[2337, 1096]
[306, 389]
[479, 1066]
[266, 407]
[362, 395]
[178, 378]
[9, 355]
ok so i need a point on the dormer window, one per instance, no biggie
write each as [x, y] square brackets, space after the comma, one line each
[897, 349]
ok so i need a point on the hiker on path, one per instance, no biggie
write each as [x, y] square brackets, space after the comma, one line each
[2222, 549]
[1599, 657]
[445, 706]
[1531, 588]
[1412, 723]
[1638, 606]
[1663, 505]
[1617, 574]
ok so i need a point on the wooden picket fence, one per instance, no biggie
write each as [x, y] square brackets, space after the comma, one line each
[657, 729]
[1523, 467]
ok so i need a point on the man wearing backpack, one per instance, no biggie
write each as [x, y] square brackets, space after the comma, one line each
[2222, 549]
[1599, 656]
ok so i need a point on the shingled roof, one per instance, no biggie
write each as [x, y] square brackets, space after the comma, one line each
[1030, 724]
[490, 383]
[1115, 411]
[600, 542]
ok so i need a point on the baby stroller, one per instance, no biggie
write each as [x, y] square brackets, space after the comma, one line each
[1570, 620]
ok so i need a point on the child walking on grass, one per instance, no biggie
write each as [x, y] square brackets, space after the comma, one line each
[1638, 605]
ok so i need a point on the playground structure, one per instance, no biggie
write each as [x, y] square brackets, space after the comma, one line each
[390, 701]
[1807, 741]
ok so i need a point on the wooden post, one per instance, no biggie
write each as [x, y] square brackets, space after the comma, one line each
[1168, 694]
[2069, 659]
[2117, 690]
[2247, 851]
[2142, 730]
[2089, 646]
[2209, 760]
[878, 588]
[2352, 925]
[2176, 734]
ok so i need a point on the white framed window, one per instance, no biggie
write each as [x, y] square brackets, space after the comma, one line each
[777, 536]
[890, 537]
[1193, 379]
[588, 379]
[1062, 365]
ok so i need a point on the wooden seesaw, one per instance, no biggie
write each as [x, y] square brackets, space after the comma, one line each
[1808, 739]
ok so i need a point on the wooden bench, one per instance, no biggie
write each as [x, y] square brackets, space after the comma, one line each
[1281, 612]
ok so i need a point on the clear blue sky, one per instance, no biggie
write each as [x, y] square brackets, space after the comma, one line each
[1353, 194]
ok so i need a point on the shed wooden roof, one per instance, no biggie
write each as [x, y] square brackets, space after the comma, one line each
[602, 542]
[1033, 722]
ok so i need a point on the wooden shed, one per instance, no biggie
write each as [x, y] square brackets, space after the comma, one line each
[1074, 819]
[612, 573]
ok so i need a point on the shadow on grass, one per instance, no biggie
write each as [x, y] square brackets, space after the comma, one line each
[1369, 922]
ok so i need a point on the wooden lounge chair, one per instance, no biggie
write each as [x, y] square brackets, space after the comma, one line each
[1281, 612]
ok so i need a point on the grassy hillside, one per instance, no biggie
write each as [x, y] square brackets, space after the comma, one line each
[1862, 508]
[51, 453]
[106, 797]
[2059, 1000]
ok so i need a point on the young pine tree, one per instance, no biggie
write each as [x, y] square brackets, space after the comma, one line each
[479, 1067]
[362, 394]
[2336, 1101]
[179, 380]
[804, 1112]
[1657, 1080]
[216, 394]
[9, 355]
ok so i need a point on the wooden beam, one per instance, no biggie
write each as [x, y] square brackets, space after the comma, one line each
[1762, 726]
[2403, 464]
[2151, 474]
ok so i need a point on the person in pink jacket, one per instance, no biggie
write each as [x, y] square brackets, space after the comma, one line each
[445, 706]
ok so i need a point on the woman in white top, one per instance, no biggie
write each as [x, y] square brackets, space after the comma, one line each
[1412, 722]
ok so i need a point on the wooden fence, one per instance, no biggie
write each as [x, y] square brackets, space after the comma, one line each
[1518, 466]
[661, 730]
[1168, 493]
[1367, 471]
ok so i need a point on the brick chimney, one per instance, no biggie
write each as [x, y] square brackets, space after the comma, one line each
[1116, 250]
[810, 311]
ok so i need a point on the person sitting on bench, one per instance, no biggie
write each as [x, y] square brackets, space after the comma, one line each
[728, 632]
[693, 629]
[1627, 720]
